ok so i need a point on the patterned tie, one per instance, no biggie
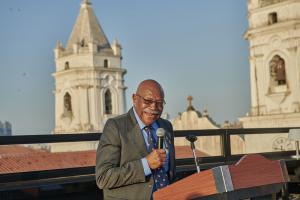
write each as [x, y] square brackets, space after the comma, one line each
[150, 138]
[160, 176]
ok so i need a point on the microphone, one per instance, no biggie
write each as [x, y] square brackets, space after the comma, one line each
[192, 139]
[160, 132]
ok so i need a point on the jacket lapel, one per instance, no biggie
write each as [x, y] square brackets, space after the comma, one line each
[135, 135]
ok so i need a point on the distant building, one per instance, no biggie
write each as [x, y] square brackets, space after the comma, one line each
[274, 63]
[191, 119]
[273, 35]
[89, 78]
[231, 125]
[1, 128]
[5, 128]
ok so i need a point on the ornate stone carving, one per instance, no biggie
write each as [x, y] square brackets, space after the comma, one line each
[264, 3]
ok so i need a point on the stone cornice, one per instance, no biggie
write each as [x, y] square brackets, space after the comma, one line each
[281, 116]
[268, 7]
[84, 86]
[281, 26]
[70, 54]
[74, 71]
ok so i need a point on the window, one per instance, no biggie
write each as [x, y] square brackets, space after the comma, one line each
[277, 70]
[82, 43]
[67, 65]
[67, 106]
[272, 18]
[105, 63]
[108, 103]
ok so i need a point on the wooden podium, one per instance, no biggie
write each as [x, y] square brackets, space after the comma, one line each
[252, 176]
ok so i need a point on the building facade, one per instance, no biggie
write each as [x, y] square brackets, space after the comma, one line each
[89, 81]
[89, 78]
[5, 129]
[274, 38]
[191, 119]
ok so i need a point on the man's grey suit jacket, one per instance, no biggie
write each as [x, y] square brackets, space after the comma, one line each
[119, 170]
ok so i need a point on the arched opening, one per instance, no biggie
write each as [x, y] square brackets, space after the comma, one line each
[82, 43]
[67, 105]
[108, 102]
[105, 63]
[277, 70]
[67, 65]
[272, 18]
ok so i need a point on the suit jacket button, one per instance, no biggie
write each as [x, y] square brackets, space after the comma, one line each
[150, 186]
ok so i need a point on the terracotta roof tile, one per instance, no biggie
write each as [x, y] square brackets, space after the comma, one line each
[186, 152]
[16, 158]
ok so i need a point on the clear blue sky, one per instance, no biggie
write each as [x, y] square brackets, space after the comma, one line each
[192, 47]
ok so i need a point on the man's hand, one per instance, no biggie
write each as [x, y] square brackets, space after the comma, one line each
[156, 158]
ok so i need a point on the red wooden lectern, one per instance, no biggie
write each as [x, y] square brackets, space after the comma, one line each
[252, 176]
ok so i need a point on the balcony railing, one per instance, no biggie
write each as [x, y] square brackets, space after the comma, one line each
[84, 175]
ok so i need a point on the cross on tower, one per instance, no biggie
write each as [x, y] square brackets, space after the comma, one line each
[190, 99]
[190, 107]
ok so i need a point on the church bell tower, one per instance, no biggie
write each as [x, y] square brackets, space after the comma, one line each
[89, 78]
[274, 40]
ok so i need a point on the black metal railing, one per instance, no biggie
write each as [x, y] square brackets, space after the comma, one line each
[14, 181]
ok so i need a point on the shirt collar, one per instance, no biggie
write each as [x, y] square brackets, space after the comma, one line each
[141, 124]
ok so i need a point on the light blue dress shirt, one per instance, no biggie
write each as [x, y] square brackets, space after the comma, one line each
[147, 169]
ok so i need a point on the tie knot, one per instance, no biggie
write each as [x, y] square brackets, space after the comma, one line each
[148, 128]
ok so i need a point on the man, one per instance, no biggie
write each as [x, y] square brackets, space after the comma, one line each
[128, 166]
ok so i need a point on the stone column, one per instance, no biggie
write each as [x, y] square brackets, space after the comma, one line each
[84, 106]
[121, 94]
[94, 107]
[253, 86]
[76, 109]
[292, 75]
[58, 110]
[262, 75]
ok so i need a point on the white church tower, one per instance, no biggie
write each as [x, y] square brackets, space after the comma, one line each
[89, 78]
[274, 38]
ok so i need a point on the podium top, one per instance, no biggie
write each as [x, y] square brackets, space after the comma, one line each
[251, 171]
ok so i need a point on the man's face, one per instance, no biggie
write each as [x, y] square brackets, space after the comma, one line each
[148, 104]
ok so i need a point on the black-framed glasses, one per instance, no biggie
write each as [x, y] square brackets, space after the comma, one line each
[151, 101]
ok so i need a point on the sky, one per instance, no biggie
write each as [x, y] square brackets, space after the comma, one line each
[192, 47]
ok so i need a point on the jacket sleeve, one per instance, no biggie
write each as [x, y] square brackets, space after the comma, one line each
[109, 173]
[173, 157]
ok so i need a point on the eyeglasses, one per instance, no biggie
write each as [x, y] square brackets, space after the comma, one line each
[151, 101]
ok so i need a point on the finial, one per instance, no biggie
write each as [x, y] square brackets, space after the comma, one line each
[190, 107]
[190, 99]
[205, 112]
[86, 2]
[116, 42]
[58, 44]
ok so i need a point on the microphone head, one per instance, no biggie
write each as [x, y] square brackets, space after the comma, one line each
[191, 138]
[160, 132]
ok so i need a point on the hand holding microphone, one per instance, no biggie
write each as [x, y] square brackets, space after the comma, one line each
[160, 132]
[158, 156]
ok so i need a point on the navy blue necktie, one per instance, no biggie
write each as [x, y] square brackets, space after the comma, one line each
[160, 176]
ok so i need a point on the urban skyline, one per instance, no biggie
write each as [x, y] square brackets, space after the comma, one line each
[194, 48]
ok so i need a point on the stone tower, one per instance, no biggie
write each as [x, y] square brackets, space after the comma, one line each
[274, 39]
[89, 78]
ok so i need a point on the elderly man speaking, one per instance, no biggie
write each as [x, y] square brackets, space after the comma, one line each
[128, 163]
